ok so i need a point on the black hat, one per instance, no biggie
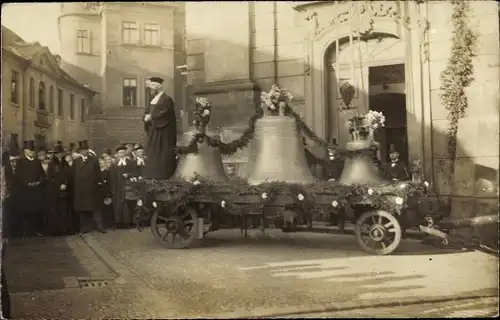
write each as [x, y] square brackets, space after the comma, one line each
[58, 148]
[156, 79]
[29, 145]
[121, 147]
[107, 151]
[138, 147]
[71, 146]
[83, 145]
[14, 148]
[50, 150]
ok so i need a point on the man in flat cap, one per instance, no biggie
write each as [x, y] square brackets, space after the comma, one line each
[161, 133]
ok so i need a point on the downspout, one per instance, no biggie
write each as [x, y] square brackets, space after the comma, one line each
[275, 31]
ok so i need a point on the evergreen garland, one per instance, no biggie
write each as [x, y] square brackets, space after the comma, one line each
[458, 74]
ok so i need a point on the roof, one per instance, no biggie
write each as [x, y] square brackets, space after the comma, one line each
[29, 50]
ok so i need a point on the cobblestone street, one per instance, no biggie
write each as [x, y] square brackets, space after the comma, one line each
[278, 275]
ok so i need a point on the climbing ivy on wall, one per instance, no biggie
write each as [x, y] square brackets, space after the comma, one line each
[459, 72]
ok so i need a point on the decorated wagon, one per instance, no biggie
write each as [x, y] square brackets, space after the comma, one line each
[280, 189]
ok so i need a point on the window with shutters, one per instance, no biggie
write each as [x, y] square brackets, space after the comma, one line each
[83, 41]
[129, 92]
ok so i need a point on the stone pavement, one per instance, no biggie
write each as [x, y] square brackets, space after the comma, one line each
[229, 276]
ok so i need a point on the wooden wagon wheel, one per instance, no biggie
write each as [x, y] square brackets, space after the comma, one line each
[175, 230]
[378, 232]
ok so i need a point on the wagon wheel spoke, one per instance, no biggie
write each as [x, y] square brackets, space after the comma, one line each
[374, 220]
[379, 221]
[388, 224]
[162, 218]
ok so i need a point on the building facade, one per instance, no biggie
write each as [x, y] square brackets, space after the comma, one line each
[40, 101]
[115, 48]
[391, 52]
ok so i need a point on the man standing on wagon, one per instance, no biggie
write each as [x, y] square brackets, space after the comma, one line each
[161, 133]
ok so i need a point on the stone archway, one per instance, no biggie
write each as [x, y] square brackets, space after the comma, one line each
[334, 21]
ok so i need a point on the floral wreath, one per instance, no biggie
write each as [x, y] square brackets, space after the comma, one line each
[202, 112]
[370, 121]
[277, 98]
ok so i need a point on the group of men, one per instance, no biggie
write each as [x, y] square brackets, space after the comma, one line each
[59, 191]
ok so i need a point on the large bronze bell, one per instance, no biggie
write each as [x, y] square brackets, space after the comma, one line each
[277, 153]
[206, 163]
[360, 168]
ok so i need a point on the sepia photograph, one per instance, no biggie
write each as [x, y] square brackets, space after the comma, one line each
[250, 159]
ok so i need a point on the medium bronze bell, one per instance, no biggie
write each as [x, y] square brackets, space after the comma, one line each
[277, 153]
[206, 163]
[360, 168]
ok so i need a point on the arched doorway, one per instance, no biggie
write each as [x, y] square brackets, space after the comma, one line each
[355, 61]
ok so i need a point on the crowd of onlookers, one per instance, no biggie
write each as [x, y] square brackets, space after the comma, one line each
[53, 191]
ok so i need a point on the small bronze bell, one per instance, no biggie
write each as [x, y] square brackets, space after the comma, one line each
[277, 152]
[360, 168]
[206, 163]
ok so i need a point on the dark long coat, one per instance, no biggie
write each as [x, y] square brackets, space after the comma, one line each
[86, 178]
[141, 168]
[58, 206]
[119, 184]
[161, 139]
[397, 171]
[30, 199]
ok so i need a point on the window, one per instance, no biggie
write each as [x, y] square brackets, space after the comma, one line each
[14, 87]
[147, 93]
[14, 142]
[130, 92]
[83, 41]
[82, 110]
[151, 34]
[60, 97]
[51, 99]
[41, 95]
[130, 32]
[72, 106]
[32, 92]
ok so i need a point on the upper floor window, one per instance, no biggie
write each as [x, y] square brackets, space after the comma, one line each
[130, 92]
[151, 34]
[72, 106]
[82, 110]
[83, 41]
[32, 92]
[130, 32]
[60, 102]
[14, 87]
[51, 99]
[41, 95]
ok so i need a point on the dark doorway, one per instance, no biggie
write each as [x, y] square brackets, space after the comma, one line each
[387, 96]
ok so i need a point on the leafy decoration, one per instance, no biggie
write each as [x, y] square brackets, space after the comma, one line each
[459, 71]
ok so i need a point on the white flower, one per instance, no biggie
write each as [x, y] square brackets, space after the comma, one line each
[139, 203]
[196, 182]
[264, 196]
[206, 112]
[155, 204]
[300, 197]
[370, 191]
[332, 179]
[332, 158]
[223, 203]
[335, 204]
[426, 184]
[399, 200]
[402, 186]
[272, 107]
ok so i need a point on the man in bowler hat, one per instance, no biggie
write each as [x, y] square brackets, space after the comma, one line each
[86, 193]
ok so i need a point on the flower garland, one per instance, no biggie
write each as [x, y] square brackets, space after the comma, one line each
[202, 113]
[233, 196]
[276, 100]
[458, 74]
